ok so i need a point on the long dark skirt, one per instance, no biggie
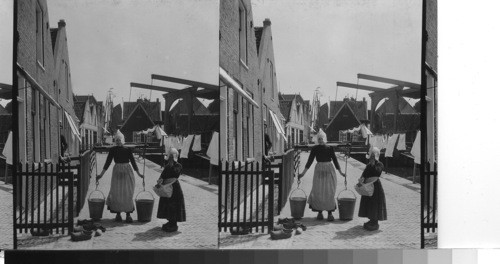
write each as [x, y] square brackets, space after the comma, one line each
[173, 208]
[374, 207]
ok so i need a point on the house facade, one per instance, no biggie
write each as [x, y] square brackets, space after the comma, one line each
[241, 122]
[268, 84]
[138, 116]
[89, 113]
[431, 79]
[344, 115]
[38, 100]
[294, 109]
[67, 117]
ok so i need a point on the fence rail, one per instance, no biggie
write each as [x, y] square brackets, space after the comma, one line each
[285, 167]
[429, 183]
[243, 204]
[44, 203]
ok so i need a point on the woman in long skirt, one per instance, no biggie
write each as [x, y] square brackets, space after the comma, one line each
[173, 208]
[322, 197]
[373, 207]
[120, 198]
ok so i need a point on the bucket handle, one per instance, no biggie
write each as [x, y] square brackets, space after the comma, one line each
[152, 196]
[353, 194]
[298, 188]
[97, 191]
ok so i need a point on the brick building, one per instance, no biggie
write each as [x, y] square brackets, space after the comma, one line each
[39, 107]
[62, 70]
[268, 84]
[241, 123]
[431, 75]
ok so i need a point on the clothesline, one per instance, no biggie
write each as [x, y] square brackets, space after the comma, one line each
[193, 143]
[395, 141]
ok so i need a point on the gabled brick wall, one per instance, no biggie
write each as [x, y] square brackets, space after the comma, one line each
[26, 57]
[245, 75]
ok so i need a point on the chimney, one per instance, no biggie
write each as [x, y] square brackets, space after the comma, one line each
[61, 23]
[267, 22]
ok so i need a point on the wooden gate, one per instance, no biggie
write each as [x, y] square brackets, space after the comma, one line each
[285, 168]
[246, 197]
[429, 200]
[44, 201]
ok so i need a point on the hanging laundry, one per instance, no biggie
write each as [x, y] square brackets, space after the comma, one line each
[186, 144]
[7, 150]
[402, 142]
[415, 149]
[391, 144]
[167, 143]
[213, 149]
[197, 143]
[378, 142]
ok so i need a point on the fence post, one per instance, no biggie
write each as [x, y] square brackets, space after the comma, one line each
[270, 214]
[70, 203]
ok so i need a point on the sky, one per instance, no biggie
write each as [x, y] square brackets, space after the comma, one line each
[114, 42]
[318, 43]
[6, 27]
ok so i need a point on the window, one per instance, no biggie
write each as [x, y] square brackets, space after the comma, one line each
[235, 123]
[271, 74]
[39, 35]
[265, 114]
[67, 79]
[243, 32]
[43, 136]
[245, 128]
[342, 136]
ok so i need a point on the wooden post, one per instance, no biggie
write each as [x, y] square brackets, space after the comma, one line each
[210, 173]
[414, 171]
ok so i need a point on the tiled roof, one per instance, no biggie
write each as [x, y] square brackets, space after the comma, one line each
[214, 107]
[79, 109]
[286, 97]
[5, 125]
[53, 35]
[258, 36]
[4, 111]
[358, 107]
[153, 109]
[323, 115]
[404, 107]
[198, 108]
[285, 107]
[84, 98]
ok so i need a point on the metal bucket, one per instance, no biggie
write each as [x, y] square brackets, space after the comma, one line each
[96, 205]
[144, 206]
[346, 206]
[297, 204]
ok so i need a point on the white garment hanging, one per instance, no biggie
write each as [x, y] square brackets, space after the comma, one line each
[167, 144]
[185, 146]
[197, 143]
[7, 150]
[415, 149]
[391, 143]
[402, 142]
[213, 149]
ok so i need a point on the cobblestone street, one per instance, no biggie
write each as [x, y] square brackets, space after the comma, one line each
[401, 230]
[6, 239]
[199, 231]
